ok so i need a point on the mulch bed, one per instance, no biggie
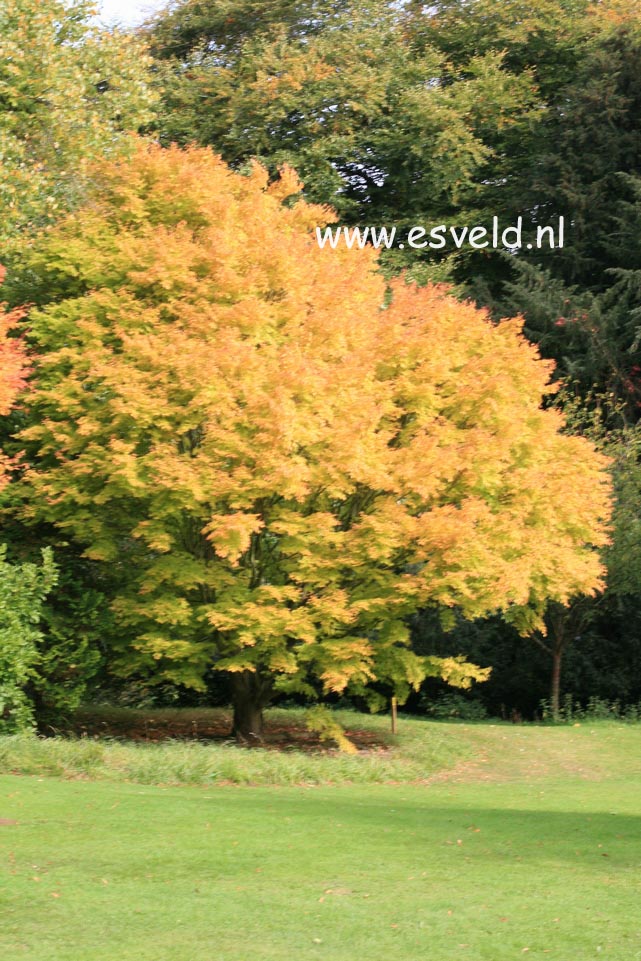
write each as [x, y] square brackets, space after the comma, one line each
[154, 727]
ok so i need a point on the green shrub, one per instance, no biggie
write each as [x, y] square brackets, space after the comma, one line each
[454, 706]
[74, 624]
[23, 588]
[572, 710]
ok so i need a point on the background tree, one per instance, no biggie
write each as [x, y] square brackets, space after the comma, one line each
[403, 113]
[69, 92]
[22, 587]
[622, 555]
[450, 112]
[594, 639]
[286, 459]
[13, 369]
[380, 125]
[583, 304]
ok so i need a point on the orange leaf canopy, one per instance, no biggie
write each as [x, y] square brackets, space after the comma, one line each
[286, 457]
[13, 370]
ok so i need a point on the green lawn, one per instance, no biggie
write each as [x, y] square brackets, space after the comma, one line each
[529, 848]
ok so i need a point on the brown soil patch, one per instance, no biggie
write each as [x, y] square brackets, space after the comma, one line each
[157, 727]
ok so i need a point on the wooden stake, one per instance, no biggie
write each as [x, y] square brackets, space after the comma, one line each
[394, 716]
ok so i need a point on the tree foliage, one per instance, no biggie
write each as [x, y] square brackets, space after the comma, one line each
[13, 369]
[69, 92]
[582, 303]
[286, 457]
[23, 588]
[377, 124]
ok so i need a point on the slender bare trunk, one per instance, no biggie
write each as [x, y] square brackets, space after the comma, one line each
[561, 624]
[555, 683]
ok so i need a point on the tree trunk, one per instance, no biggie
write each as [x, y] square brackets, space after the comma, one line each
[250, 694]
[559, 621]
[555, 686]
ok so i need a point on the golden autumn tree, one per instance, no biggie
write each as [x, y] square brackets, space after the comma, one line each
[282, 456]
